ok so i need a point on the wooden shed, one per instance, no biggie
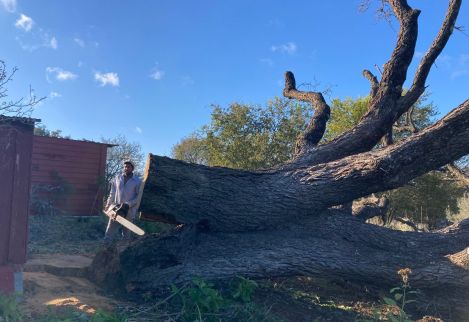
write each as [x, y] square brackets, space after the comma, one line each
[16, 138]
[68, 175]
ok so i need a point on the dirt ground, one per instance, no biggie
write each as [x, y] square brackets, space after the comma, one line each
[61, 249]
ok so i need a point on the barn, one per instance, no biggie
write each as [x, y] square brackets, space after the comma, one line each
[67, 176]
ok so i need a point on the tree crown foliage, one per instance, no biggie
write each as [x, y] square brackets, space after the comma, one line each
[42, 130]
[244, 136]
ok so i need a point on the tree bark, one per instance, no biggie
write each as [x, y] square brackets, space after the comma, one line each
[330, 245]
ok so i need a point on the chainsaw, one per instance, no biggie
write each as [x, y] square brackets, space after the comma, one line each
[118, 213]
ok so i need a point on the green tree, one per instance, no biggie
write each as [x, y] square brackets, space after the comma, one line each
[122, 150]
[244, 136]
[42, 130]
[345, 114]
[191, 149]
[426, 199]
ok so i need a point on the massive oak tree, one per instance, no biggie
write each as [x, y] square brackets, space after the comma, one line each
[295, 219]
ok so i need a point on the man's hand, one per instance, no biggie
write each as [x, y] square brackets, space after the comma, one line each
[111, 214]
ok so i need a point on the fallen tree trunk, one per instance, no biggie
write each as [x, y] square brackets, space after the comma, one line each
[329, 245]
[222, 199]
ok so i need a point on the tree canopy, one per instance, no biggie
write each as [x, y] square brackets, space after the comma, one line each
[246, 136]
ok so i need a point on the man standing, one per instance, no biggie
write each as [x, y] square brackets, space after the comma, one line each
[124, 190]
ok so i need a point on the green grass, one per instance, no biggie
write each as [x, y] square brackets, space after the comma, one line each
[9, 309]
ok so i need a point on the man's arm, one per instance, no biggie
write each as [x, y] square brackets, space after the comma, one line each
[112, 194]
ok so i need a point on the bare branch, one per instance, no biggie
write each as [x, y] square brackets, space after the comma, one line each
[19, 107]
[317, 126]
[395, 69]
[418, 86]
[373, 81]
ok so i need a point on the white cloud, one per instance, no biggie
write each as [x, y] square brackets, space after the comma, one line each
[36, 40]
[138, 130]
[288, 48]
[107, 79]
[24, 22]
[157, 74]
[53, 43]
[79, 42]
[53, 95]
[60, 74]
[9, 5]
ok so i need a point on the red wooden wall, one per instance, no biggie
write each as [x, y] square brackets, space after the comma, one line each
[16, 137]
[80, 163]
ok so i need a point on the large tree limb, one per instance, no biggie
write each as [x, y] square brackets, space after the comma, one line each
[178, 192]
[317, 126]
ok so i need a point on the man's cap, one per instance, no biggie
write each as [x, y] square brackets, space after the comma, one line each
[129, 162]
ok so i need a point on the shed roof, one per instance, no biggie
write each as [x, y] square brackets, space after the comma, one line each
[76, 141]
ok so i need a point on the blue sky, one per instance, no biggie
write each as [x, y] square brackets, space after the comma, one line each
[151, 69]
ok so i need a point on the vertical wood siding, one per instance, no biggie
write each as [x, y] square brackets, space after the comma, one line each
[80, 164]
[15, 170]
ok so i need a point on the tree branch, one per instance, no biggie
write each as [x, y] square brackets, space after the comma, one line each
[317, 126]
[373, 81]
[418, 86]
